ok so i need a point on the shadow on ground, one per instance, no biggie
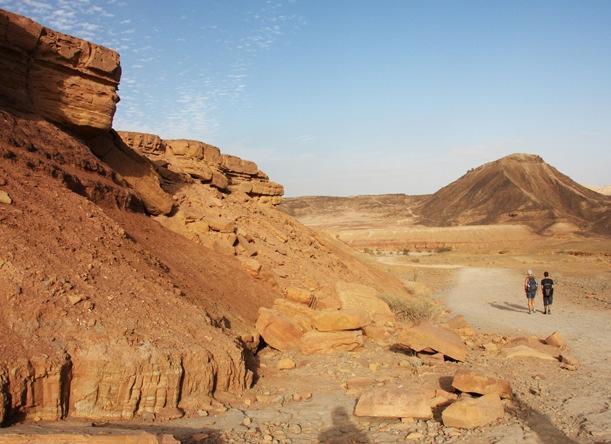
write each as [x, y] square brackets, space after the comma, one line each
[508, 306]
[539, 423]
[343, 431]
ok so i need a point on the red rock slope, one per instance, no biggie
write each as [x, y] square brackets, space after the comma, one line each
[108, 312]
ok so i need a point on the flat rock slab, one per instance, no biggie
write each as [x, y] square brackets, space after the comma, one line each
[278, 331]
[473, 382]
[523, 351]
[394, 403]
[338, 320]
[426, 335]
[468, 413]
[318, 342]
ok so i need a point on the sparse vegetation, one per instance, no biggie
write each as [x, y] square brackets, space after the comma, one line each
[417, 309]
[443, 249]
[405, 251]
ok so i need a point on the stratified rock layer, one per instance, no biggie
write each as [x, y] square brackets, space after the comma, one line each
[184, 160]
[59, 77]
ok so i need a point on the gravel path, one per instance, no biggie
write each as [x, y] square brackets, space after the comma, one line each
[493, 299]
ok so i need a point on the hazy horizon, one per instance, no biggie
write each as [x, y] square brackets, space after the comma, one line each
[353, 97]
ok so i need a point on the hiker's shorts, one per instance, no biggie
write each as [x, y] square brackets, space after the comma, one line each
[547, 300]
[531, 294]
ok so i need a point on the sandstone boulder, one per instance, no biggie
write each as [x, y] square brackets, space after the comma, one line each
[534, 343]
[300, 295]
[337, 320]
[278, 331]
[473, 382]
[285, 364]
[458, 322]
[524, 351]
[394, 403]
[364, 298]
[426, 335]
[143, 143]
[328, 342]
[5, 198]
[59, 77]
[234, 164]
[555, 340]
[467, 413]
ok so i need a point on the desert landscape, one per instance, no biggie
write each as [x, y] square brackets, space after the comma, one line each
[161, 290]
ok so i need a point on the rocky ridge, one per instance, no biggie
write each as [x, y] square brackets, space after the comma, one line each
[109, 313]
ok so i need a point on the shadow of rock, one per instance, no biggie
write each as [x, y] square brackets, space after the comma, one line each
[343, 431]
[539, 423]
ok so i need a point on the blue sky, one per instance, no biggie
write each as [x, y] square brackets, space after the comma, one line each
[361, 97]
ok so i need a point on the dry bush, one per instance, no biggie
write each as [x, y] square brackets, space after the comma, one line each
[444, 249]
[415, 309]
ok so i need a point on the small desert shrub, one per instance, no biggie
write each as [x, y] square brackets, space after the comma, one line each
[367, 251]
[416, 309]
[443, 249]
[405, 251]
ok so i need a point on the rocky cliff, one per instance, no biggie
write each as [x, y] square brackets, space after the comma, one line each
[61, 78]
[192, 160]
[132, 268]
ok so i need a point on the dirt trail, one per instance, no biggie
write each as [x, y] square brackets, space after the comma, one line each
[492, 299]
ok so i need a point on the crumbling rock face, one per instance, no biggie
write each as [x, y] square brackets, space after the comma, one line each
[136, 169]
[182, 160]
[59, 77]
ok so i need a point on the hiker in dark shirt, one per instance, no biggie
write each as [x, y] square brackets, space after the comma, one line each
[547, 290]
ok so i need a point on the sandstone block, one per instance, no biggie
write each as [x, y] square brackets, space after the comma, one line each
[234, 164]
[337, 320]
[427, 335]
[360, 382]
[362, 297]
[133, 437]
[278, 331]
[556, 340]
[524, 351]
[5, 198]
[298, 313]
[249, 248]
[142, 142]
[285, 364]
[252, 266]
[468, 413]
[318, 342]
[473, 382]
[394, 403]
[534, 343]
[219, 180]
[299, 295]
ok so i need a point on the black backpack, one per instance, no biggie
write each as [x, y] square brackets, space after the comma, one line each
[532, 284]
[547, 289]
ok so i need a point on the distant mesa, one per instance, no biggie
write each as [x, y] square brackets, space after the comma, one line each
[518, 188]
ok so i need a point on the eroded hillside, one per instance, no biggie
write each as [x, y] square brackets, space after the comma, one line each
[131, 275]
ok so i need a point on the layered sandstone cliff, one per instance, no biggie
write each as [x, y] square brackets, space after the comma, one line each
[186, 160]
[106, 311]
[61, 78]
